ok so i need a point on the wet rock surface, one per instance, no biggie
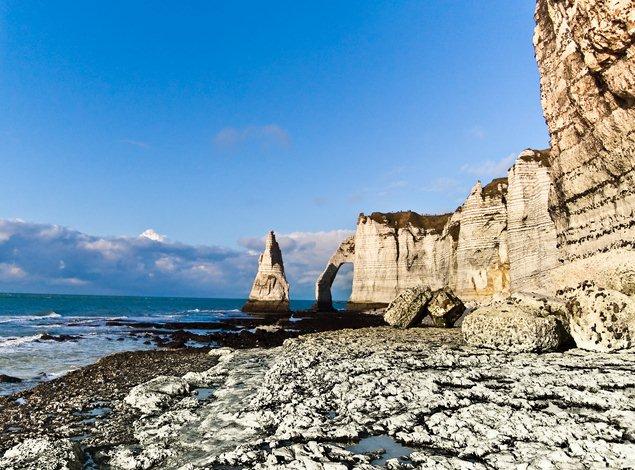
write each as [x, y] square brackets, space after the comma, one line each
[305, 404]
[78, 405]
[44, 454]
[87, 405]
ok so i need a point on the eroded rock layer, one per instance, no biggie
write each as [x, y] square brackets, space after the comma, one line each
[500, 238]
[396, 251]
[586, 55]
[482, 262]
[303, 405]
[531, 234]
[270, 291]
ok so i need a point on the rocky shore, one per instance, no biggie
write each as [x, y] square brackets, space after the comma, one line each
[423, 395]
[87, 406]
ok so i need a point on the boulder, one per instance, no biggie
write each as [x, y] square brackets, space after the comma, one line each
[600, 319]
[445, 308]
[409, 307]
[43, 454]
[157, 393]
[514, 326]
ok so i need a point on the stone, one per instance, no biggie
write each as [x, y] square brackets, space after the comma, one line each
[531, 234]
[155, 394]
[514, 326]
[585, 51]
[43, 454]
[9, 379]
[396, 251]
[445, 308]
[270, 290]
[408, 307]
[345, 253]
[600, 319]
[459, 406]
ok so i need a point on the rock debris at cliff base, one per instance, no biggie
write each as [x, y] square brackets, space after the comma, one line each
[303, 404]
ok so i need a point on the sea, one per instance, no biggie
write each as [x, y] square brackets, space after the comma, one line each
[26, 319]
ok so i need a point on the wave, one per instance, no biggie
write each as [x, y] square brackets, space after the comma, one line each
[24, 318]
[13, 341]
[221, 310]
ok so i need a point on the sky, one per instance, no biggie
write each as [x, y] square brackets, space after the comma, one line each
[211, 123]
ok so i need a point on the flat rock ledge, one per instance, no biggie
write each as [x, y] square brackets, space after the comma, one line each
[302, 405]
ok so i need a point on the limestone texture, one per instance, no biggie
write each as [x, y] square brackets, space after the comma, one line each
[270, 291]
[600, 319]
[304, 404]
[500, 240]
[394, 252]
[531, 234]
[445, 308]
[43, 454]
[345, 253]
[585, 51]
[482, 255]
[409, 307]
[523, 323]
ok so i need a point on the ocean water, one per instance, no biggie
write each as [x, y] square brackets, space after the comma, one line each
[24, 318]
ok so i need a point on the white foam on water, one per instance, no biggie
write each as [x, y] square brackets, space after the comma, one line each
[12, 342]
[24, 318]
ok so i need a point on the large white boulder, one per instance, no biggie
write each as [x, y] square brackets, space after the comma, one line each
[600, 319]
[514, 326]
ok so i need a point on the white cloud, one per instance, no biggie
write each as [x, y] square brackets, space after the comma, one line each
[9, 271]
[50, 258]
[490, 168]
[267, 136]
[305, 255]
[150, 234]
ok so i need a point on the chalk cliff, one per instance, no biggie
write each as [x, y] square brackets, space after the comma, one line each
[393, 252]
[531, 234]
[482, 263]
[270, 291]
[585, 51]
[501, 239]
[345, 253]
[561, 216]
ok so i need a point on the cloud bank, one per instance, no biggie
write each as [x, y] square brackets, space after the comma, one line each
[54, 259]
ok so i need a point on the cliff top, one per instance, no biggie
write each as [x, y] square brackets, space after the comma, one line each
[434, 223]
[540, 156]
[495, 188]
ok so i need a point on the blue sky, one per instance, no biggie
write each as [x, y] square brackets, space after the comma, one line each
[214, 122]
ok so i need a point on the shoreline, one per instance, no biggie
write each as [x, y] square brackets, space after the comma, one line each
[83, 400]
[311, 400]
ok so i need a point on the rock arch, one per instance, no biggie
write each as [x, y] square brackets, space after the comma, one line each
[344, 254]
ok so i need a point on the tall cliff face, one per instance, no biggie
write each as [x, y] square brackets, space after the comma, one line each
[270, 290]
[531, 234]
[586, 55]
[500, 240]
[395, 251]
[482, 263]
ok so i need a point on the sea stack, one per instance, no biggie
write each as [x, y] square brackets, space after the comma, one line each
[270, 291]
